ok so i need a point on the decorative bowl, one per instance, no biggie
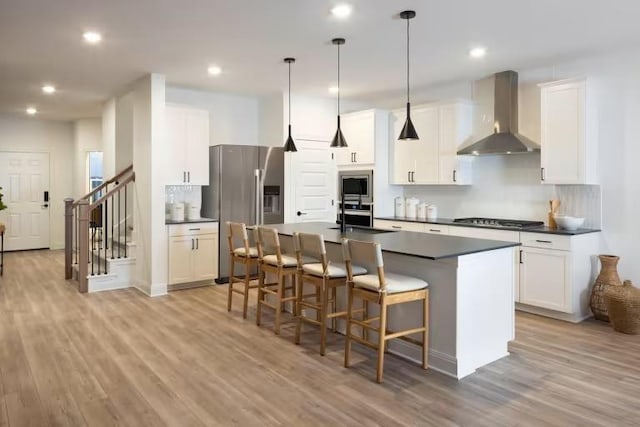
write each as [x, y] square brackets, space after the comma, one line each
[566, 222]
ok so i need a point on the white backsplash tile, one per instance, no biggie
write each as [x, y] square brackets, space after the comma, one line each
[184, 193]
[581, 201]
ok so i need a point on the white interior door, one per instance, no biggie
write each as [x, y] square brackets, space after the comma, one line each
[314, 181]
[24, 178]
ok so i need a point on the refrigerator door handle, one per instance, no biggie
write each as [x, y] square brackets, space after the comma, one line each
[257, 191]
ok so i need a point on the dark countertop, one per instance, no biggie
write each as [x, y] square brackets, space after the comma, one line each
[422, 245]
[541, 229]
[189, 221]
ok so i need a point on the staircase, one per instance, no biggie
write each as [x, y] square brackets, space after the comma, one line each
[99, 246]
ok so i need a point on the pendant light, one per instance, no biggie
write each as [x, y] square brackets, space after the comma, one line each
[290, 146]
[408, 131]
[338, 140]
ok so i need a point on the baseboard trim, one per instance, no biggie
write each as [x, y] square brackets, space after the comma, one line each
[438, 361]
[573, 318]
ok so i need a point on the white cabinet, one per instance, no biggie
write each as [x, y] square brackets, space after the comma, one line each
[193, 252]
[568, 146]
[433, 158]
[545, 278]
[360, 131]
[556, 273]
[188, 132]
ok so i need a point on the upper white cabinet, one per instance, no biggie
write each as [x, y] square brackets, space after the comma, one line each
[360, 129]
[433, 158]
[188, 132]
[568, 151]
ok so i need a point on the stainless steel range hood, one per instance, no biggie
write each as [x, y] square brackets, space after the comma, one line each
[505, 139]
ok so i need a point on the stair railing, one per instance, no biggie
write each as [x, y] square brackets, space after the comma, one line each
[95, 226]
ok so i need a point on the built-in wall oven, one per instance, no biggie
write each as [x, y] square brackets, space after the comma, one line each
[357, 187]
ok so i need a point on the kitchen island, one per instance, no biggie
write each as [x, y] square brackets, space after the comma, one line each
[471, 298]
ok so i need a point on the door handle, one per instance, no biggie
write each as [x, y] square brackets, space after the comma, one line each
[189, 177]
[396, 226]
[299, 213]
[521, 259]
[544, 241]
[541, 174]
[355, 157]
[184, 176]
[413, 176]
[409, 176]
[192, 244]
[434, 230]
[197, 244]
[454, 176]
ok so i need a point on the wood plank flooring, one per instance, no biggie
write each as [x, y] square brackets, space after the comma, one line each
[121, 358]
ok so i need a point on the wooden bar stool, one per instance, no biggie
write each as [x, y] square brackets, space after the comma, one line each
[326, 278]
[283, 266]
[240, 253]
[385, 290]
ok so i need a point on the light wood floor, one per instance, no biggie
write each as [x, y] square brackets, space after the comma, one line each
[121, 358]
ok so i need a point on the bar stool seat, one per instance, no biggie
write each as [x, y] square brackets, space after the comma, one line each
[394, 283]
[334, 270]
[286, 260]
[253, 252]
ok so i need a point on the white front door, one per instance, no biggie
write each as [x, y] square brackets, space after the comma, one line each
[314, 181]
[24, 178]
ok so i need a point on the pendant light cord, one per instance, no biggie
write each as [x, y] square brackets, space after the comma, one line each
[408, 60]
[289, 93]
[338, 80]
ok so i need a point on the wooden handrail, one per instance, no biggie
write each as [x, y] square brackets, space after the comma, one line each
[104, 184]
[114, 190]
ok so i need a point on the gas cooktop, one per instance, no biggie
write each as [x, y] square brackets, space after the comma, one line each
[497, 222]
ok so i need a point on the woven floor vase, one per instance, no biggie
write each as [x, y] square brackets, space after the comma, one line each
[607, 278]
[623, 305]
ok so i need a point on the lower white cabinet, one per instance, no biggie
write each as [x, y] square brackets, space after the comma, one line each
[193, 252]
[398, 225]
[545, 278]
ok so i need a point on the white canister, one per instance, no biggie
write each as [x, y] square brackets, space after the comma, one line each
[432, 212]
[411, 209]
[422, 210]
[192, 211]
[399, 207]
[177, 212]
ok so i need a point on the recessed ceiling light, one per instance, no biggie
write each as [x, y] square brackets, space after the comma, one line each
[214, 70]
[341, 11]
[31, 111]
[333, 89]
[49, 89]
[478, 52]
[92, 37]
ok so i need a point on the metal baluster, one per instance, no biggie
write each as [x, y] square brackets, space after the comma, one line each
[125, 221]
[93, 242]
[119, 224]
[112, 217]
[105, 228]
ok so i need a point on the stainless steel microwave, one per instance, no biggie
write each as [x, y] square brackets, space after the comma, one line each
[356, 185]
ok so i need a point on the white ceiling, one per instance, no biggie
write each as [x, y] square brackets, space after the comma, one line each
[40, 41]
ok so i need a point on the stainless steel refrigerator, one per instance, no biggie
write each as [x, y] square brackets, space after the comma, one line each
[246, 184]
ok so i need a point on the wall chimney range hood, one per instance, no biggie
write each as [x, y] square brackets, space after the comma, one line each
[505, 139]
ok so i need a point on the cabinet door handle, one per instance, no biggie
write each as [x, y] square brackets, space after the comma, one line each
[197, 244]
[355, 157]
[544, 241]
[454, 176]
[521, 259]
[396, 226]
[434, 230]
[194, 229]
[413, 176]
[541, 174]
[192, 244]
[409, 176]
[189, 177]
[184, 176]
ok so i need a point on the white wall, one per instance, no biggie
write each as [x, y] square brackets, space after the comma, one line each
[509, 186]
[233, 119]
[150, 156]
[109, 138]
[55, 138]
[124, 132]
[87, 137]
